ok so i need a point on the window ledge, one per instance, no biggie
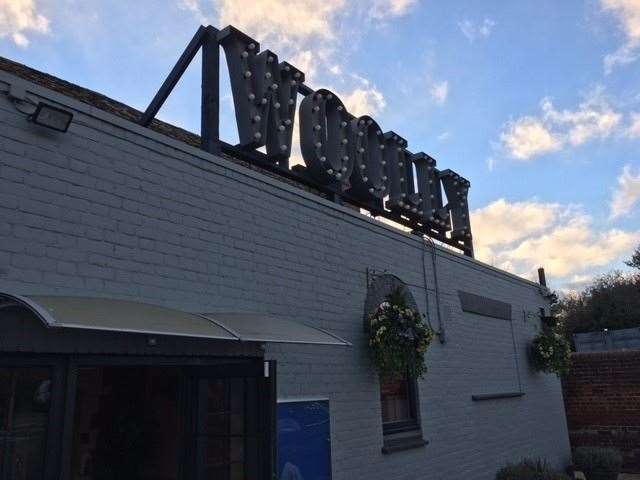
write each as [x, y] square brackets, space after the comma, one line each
[494, 396]
[401, 443]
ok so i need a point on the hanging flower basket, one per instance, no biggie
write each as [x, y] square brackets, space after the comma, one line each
[551, 353]
[398, 338]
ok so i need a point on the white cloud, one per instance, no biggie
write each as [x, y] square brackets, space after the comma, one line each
[468, 29]
[278, 22]
[491, 163]
[485, 29]
[439, 92]
[303, 32]
[634, 128]
[627, 14]
[492, 224]
[382, 9]
[522, 236]
[528, 137]
[290, 23]
[473, 30]
[305, 61]
[593, 119]
[194, 7]
[627, 195]
[308, 34]
[18, 17]
[577, 283]
[296, 154]
[553, 130]
[571, 248]
[364, 101]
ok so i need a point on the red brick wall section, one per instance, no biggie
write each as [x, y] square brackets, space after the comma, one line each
[602, 401]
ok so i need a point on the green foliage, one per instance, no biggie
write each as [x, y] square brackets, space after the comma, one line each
[612, 302]
[399, 338]
[634, 261]
[529, 469]
[598, 463]
[551, 353]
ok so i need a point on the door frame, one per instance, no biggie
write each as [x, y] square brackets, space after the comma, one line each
[265, 372]
[205, 366]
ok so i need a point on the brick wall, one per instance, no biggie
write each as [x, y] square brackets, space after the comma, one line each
[602, 401]
[114, 209]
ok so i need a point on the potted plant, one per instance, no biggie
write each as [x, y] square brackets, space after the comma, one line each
[398, 338]
[551, 353]
[598, 463]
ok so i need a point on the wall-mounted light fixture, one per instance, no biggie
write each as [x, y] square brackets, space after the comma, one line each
[44, 114]
[51, 117]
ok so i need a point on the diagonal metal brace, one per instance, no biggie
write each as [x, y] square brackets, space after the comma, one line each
[173, 77]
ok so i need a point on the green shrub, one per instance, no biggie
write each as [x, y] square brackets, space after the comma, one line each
[529, 469]
[598, 463]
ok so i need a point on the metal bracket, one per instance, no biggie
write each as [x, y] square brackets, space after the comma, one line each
[372, 274]
[17, 92]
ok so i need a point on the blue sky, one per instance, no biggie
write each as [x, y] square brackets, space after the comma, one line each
[537, 103]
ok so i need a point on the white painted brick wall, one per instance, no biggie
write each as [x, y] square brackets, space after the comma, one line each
[112, 209]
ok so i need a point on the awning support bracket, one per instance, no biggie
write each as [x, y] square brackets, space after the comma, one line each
[221, 325]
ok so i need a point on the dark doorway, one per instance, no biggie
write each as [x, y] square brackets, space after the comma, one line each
[172, 422]
[128, 423]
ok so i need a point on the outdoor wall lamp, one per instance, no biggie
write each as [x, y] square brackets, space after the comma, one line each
[51, 117]
[44, 114]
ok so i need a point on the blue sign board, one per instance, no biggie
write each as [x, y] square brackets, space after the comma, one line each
[304, 440]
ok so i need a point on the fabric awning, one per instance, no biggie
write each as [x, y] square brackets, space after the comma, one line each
[108, 314]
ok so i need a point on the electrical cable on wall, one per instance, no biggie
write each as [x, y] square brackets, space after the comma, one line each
[426, 290]
[515, 353]
[18, 97]
[440, 331]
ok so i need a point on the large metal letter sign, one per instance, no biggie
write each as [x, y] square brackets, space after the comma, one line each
[434, 213]
[370, 179]
[456, 188]
[265, 93]
[345, 157]
[324, 137]
[404, 199]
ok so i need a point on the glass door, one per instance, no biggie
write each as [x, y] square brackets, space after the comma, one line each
[170, 421]
[25, 399]
[233, 426]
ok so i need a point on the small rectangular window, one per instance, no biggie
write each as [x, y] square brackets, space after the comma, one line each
[398, 401]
